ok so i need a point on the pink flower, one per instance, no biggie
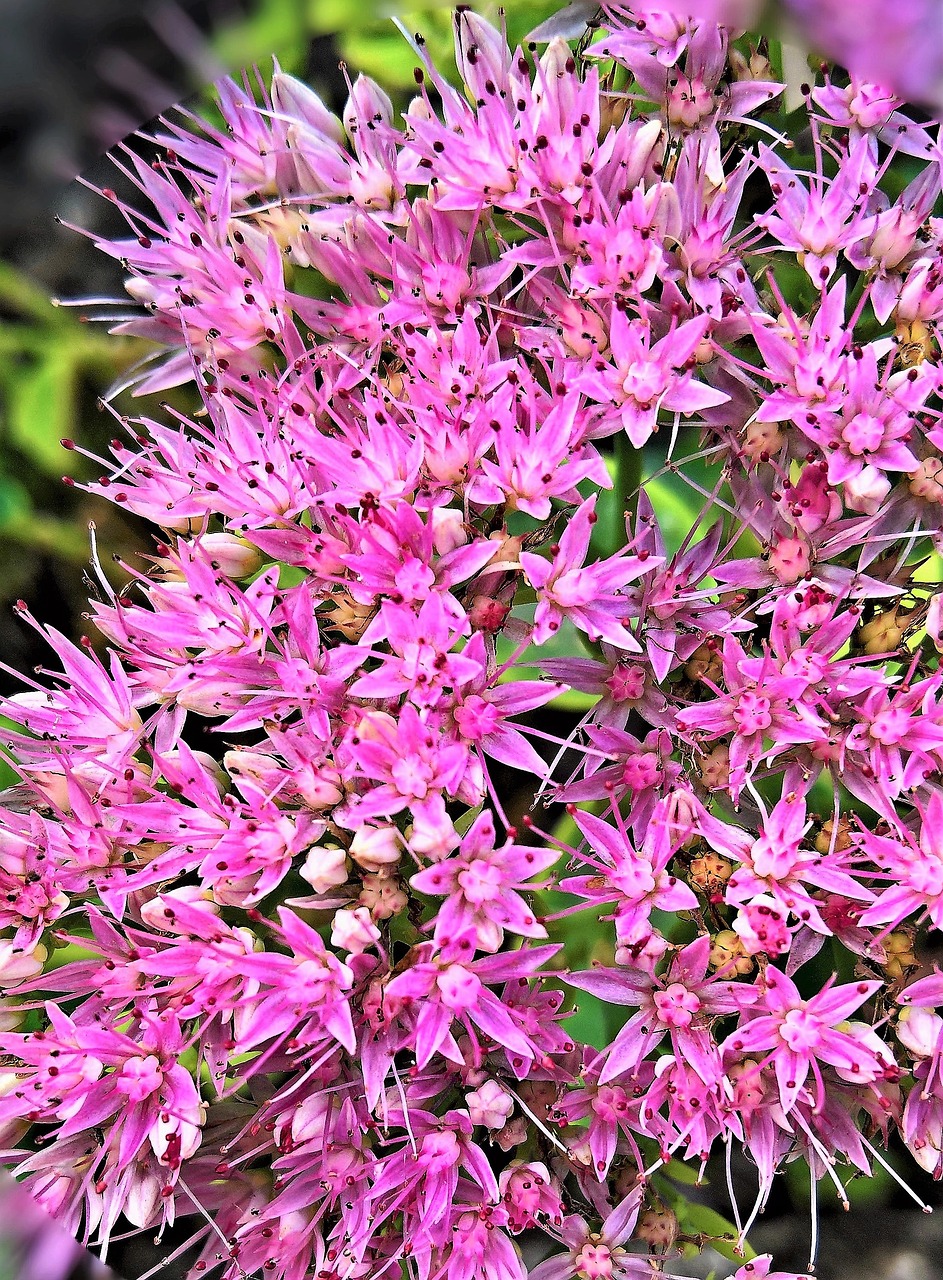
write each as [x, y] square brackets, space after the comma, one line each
[646, 377]
[480, 882]
[800, 1035]
[591, 597]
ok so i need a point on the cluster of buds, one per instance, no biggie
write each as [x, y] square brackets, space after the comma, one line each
[279, 956]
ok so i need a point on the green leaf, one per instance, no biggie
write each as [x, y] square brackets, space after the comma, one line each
[41, 409]
[678, 1171]
[14, 502]
[700, 1219]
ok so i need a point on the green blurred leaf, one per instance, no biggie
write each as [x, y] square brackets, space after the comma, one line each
[14, 502]
[41, 408]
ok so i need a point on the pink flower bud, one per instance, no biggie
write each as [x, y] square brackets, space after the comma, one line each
[354, 931]
[789, 559]
[489, 1105]
[449, 529]
[433, 833]
[376, 848]
[325, 867]
[867, 490]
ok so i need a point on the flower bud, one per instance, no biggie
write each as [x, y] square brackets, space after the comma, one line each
[714, 768]
[12, 1017]
[354, 931]
[230, 554]
[900, 956]
[17, 966]
[920, 1031]
[514, 1134]
[710, 872]
[159, 913]
[383, 896]
[843, 840]
[927, 481]
[790, 560]
[489, 1105]
[325, 867]
[884, 632]
[867, 490]
[448, 529]
[747, 1081]
[310, 1117]
[433, 833]
[705, 663]
[658, 1227]
[763, 440]
[487, 615]
[729, 953]
[376, 848]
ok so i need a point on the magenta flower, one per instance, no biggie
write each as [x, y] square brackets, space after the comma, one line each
[800, 1035]
[591, 597]
[646, 377]
[481, 883]
[680, 1003]
[561, 367]
[448, 986]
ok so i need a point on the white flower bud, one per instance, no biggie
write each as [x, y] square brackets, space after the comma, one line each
[376, 848]
[354, 931]
[489, 1105]
[920, 1031]
[448, 529]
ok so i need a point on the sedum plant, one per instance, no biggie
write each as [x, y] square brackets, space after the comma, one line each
[287, 959]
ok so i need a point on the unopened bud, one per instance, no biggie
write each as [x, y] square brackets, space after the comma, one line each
[448, 529]
[705, 663]
[901, 958]
[377, 848]
[920, 1031]
[763, 440]
[843, 840]
[867, 490]
[728, 953]
[789, 559]
[230, 554]
[488, 615]
[709, 872]
[354, 931]
[927, 481]
[325, 867]
[658, 1227]
[884, 632]
[159, 912]
[715, 768]
[383, 896]
[433, 833]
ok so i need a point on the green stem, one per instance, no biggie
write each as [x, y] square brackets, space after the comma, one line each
[627, 482]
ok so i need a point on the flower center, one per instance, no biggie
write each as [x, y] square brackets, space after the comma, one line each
[752, 713]
[676, 1005]
[863, 434]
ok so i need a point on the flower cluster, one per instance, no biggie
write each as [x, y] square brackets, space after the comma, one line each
[280, 955]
